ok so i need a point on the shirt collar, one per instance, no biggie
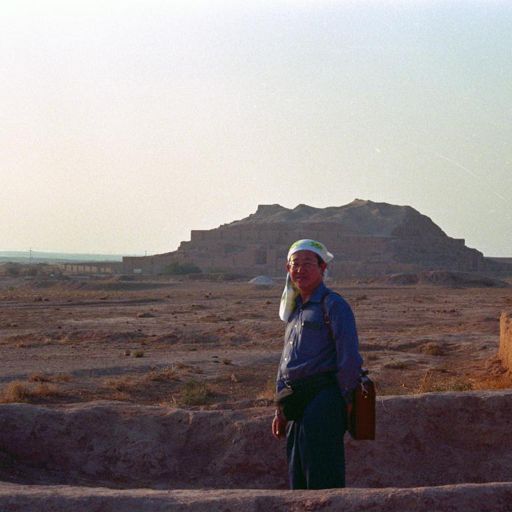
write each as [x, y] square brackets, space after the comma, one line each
[316, 296]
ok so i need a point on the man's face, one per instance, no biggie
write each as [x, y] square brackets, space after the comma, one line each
[305, 271]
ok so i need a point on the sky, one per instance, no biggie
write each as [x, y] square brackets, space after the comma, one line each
[126, 124]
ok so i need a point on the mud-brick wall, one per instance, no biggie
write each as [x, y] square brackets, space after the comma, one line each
[505, 351]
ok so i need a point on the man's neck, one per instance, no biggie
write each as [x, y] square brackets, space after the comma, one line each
[306, 294]
[303, 297]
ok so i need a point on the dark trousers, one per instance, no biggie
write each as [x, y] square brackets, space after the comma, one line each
[316, 455]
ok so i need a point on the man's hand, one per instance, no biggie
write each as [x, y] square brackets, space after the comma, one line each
[279, 425]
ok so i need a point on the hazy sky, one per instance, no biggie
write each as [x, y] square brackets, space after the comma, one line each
[125, 124]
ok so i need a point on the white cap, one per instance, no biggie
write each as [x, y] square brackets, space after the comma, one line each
[310, 245]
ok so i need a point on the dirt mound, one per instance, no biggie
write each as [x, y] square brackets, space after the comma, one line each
[118, 285]
[262, 281]
[86, 284]
[121, 446]
[403, 279]
[446, 278]
[470, 498]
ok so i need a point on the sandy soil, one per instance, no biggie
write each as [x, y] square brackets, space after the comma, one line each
[217, 344]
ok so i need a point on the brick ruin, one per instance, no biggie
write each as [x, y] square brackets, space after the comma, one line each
[367, 239]
[91, 267]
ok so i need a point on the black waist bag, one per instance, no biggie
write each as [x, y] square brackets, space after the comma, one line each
[293, 399]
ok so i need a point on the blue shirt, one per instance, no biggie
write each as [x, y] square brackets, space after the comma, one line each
[308, 347]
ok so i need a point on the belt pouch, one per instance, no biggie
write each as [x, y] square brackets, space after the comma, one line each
[293, 400]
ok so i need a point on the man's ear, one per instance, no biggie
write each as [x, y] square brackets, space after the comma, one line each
[287, 266]
[323, 266]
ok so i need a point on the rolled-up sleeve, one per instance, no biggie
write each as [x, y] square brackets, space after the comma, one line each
[344, 331]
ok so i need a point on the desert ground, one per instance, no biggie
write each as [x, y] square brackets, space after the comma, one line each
[214, 344]
[141, 394]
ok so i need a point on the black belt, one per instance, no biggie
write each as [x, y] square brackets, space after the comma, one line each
[294, 398]
[318, 381]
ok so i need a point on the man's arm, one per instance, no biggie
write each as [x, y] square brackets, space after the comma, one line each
[279, 421]
[344, 331]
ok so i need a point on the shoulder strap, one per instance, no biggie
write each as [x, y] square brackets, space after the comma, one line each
[327, 320]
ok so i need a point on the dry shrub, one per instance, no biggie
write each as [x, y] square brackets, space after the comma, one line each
[268, 391]
[122, 384]
[119, 396]
[45, 377]
[15, 391]
[433, 349]
[187, 369]
[396, 365]
[163, 375]
[39, 377]
[18, 391]
[61, 377]
[194, 393]
[44, 391]
[436, 382]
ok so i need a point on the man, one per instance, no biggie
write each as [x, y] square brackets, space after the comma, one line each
[320, 346]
